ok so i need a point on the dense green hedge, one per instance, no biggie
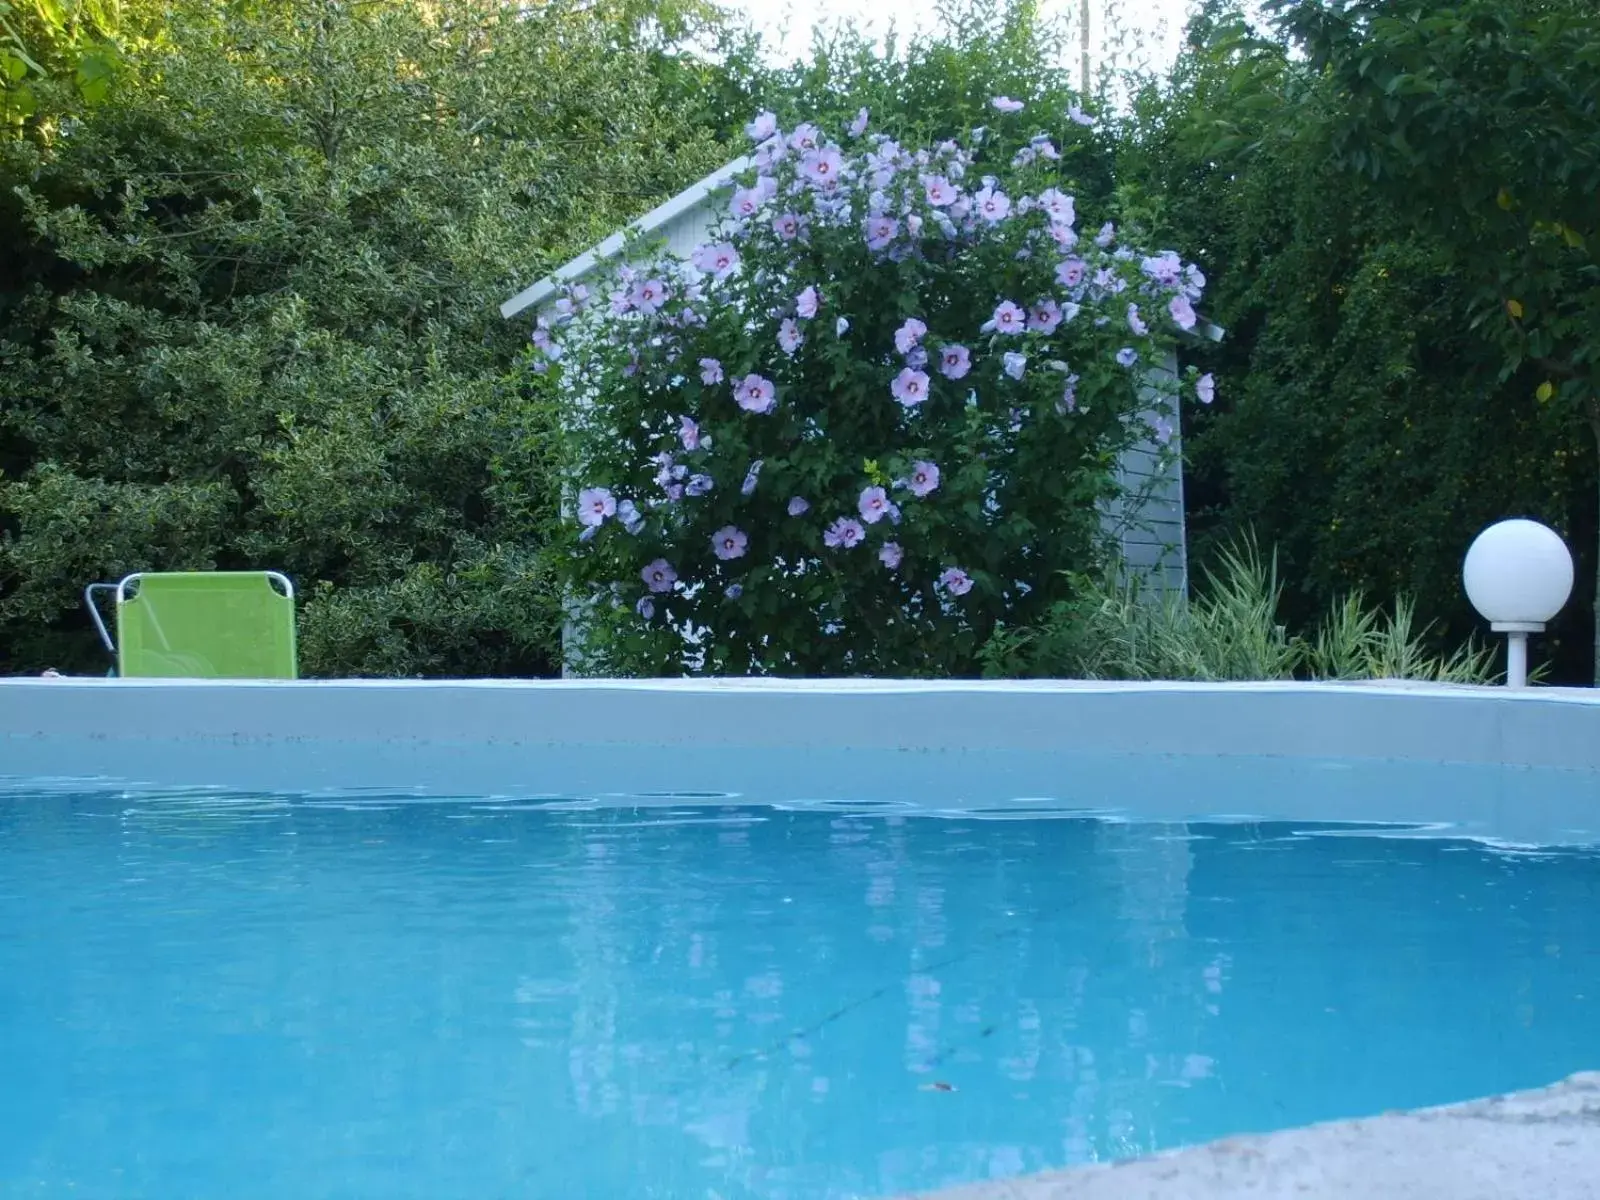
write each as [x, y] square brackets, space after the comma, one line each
[1370, 422]
[254, 316]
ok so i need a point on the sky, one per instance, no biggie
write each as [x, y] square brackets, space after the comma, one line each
[788, 22]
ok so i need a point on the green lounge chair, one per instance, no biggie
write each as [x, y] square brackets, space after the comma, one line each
[200, 625]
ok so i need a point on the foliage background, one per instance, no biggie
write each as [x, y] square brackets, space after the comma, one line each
[251, 252]
[1372, 416]
[249, 316]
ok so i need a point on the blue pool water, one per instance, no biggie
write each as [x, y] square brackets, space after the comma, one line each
[209, 996]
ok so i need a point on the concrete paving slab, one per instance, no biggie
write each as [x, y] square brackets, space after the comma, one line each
[1537, 1145]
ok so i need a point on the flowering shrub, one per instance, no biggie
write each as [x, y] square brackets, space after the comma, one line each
[870, 418]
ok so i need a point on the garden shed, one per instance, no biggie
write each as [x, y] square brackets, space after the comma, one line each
[1146, 523]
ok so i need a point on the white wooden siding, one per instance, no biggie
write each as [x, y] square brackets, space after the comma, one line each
[1146, 521]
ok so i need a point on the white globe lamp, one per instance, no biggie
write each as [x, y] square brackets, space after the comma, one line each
[1518, 574]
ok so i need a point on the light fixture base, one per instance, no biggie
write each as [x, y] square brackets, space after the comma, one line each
[1517, 626]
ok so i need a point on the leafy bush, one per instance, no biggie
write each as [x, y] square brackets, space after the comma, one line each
[1372, 421]
[249, 313]
[1112, 629]
[873, 416]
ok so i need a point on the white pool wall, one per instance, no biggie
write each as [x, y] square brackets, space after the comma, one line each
[1536, 727]
[1515, 766]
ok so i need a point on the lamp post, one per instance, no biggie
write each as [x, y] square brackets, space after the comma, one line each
[1518, 574]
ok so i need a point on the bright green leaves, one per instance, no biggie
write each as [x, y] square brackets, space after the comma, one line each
[96, 70]
[76, 40]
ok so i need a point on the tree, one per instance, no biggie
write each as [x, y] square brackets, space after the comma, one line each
[1365, 426]
[1479, 122]
[254, 320]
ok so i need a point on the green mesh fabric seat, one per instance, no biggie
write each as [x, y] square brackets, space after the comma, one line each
[202, 625]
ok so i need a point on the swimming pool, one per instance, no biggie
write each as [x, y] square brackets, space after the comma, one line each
[816, 973]
[253, 996]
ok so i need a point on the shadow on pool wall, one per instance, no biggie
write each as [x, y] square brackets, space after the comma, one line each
[1518, 766]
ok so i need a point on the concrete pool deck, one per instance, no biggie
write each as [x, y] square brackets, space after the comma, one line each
[1536, 1145]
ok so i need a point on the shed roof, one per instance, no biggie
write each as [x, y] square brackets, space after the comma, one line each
[651, 222]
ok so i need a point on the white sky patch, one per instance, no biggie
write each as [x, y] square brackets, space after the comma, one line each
[1152, 30]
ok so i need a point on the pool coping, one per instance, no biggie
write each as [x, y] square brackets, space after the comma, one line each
[1543, 1143]
[1557, 728]
[1451, 761]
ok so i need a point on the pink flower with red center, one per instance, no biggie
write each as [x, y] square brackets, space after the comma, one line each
[755, 394]
[954, 361]
[992, 204]
[955, 581]
[845, 533]
[1072, 272]
[890, 554]
[1008, 318]
[746, 202]
[806, 303]
[910, 387]
[909, 335]
[823, 166]
[805, 137]
[874, 505]
[659, 576]
[787, 226]
[938, 190]
[595, 505]
[1044, 316]
[729, 542]
[1182, 313]
[649, 295]
[715, 260]
[881, 232]
[689, 433]
[1060, 206]
[924, 478]
[710, 371]
[789, 336]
